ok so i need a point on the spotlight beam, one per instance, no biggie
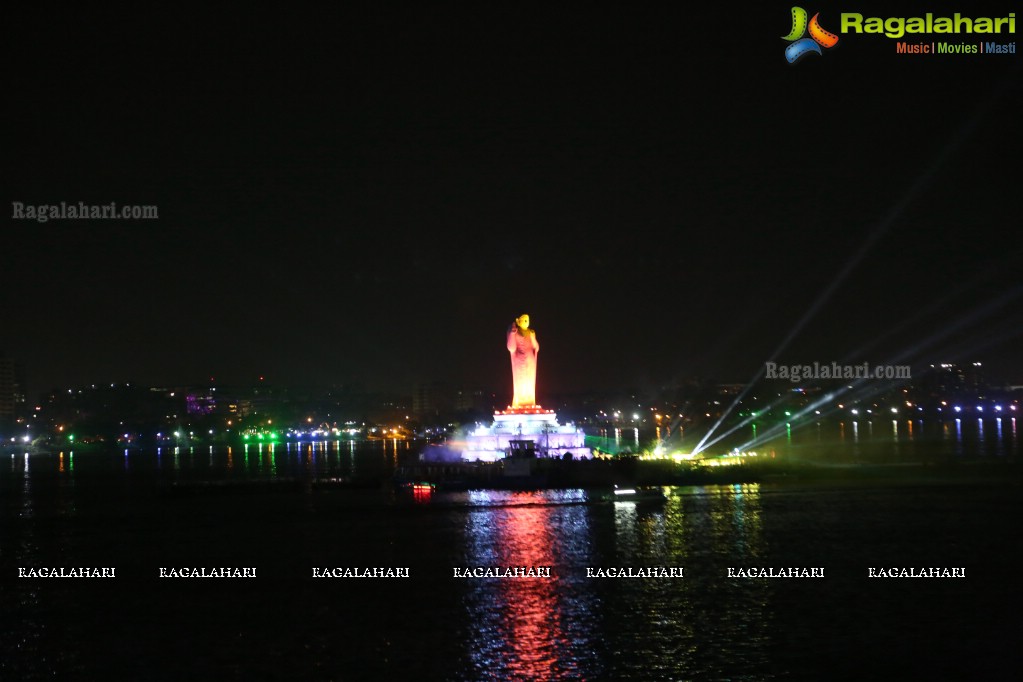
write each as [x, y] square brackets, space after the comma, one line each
[882, 227]
[854, 389]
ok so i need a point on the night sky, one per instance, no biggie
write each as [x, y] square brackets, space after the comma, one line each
[373, 196]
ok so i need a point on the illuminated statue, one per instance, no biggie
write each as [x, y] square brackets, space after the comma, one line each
[523, 430]
[523, 347]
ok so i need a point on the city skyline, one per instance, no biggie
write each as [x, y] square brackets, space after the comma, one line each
[138, 412]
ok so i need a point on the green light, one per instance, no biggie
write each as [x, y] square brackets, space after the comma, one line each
[71, 437]
[788, 414]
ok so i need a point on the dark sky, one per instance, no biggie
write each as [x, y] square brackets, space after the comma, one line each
[373, 196]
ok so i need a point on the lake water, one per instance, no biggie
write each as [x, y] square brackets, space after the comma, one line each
[277, 510]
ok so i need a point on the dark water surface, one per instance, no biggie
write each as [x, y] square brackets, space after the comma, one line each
[278, 510]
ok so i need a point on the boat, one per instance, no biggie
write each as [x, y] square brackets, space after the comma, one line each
[637, 494]
[27, 448]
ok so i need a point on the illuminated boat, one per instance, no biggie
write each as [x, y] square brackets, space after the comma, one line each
[416, 486]
[637, 494]
[421, 491]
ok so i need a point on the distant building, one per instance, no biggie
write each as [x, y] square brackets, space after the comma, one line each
[730, 389]
[200, 403]
[954, 379]
[12, 388]
[432, 399]
[438, 399]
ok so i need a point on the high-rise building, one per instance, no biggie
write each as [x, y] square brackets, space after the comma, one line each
[438, 398]
[432, 399]
[12, 388]
[955, 379]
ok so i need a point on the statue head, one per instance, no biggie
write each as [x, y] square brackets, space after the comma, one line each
[522, 322]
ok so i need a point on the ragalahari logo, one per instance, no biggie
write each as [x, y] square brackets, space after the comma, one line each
[801, 46]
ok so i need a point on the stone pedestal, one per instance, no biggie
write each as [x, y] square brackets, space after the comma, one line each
[490, 443]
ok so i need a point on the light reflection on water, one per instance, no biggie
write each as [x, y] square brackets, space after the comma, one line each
[575, 627]
[517, 627]
[897, 441]
[250, 460]
[23, 615]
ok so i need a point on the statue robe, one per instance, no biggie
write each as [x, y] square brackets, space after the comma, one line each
[523, 349]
